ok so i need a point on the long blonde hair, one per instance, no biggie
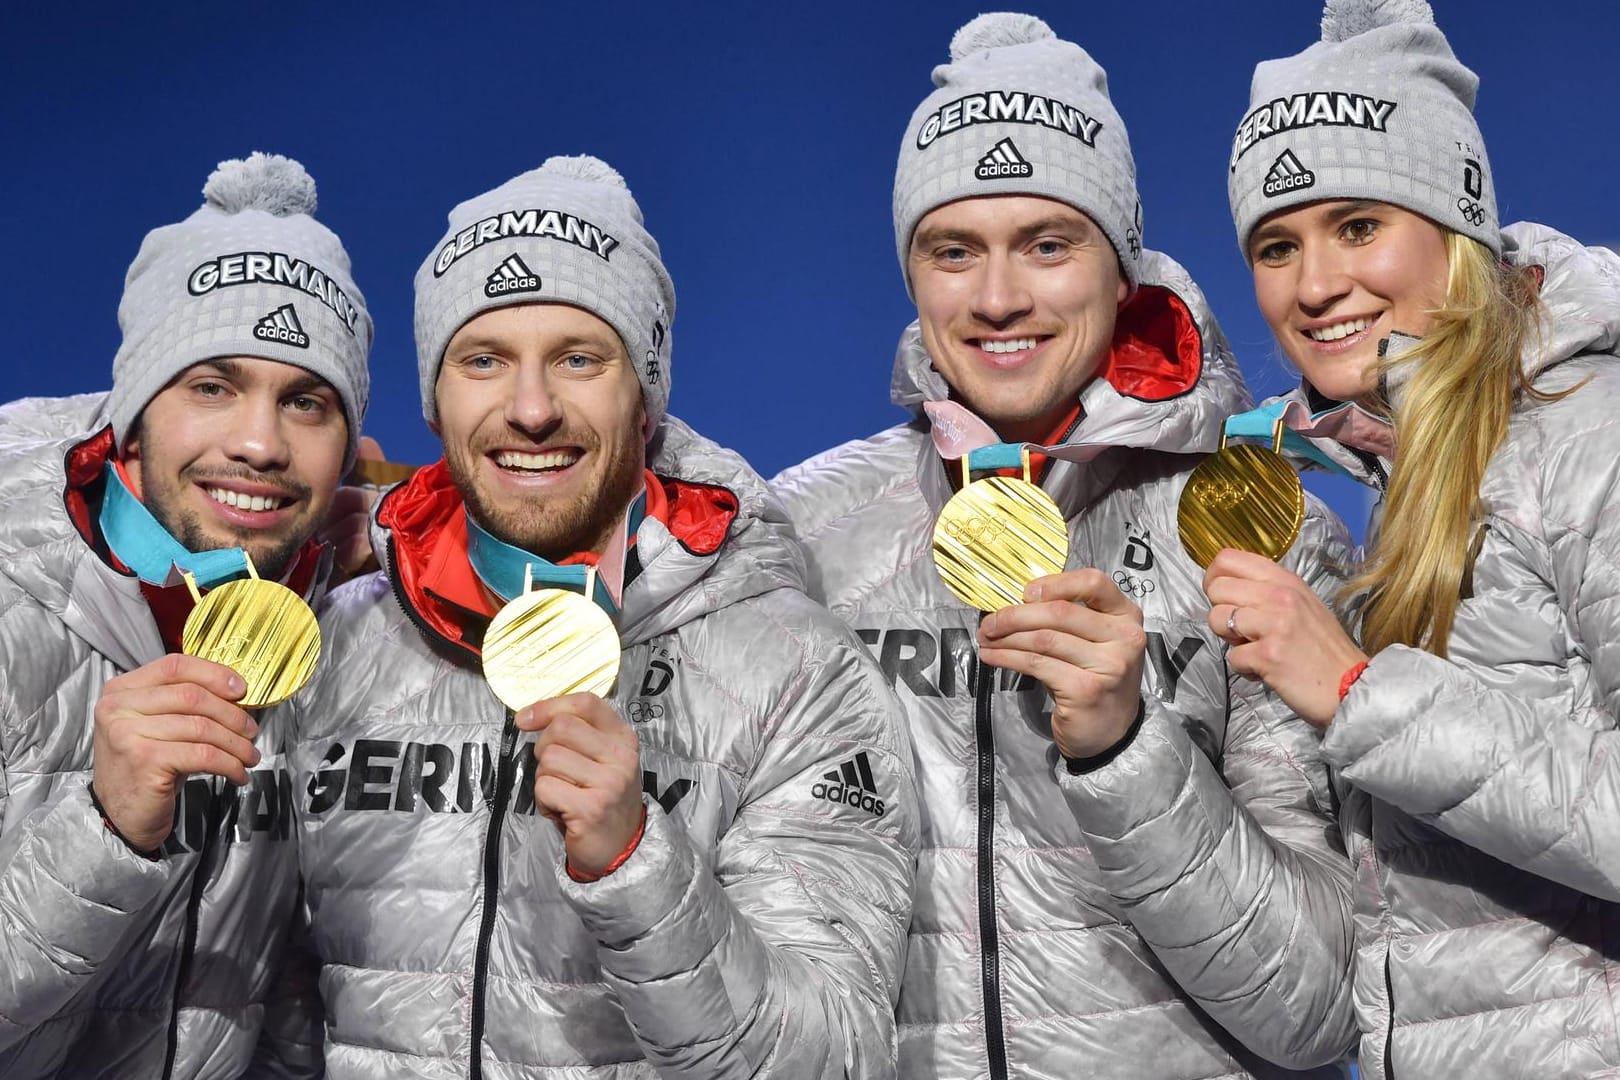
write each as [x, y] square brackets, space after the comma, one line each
[1465, 377]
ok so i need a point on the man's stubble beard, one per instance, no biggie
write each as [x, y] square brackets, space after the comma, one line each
[558, 532]
[271, 562]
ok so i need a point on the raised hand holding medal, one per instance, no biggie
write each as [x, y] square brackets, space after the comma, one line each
[1001, 545]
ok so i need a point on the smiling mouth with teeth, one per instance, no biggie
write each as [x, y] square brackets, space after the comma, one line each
[236, 500]
[1008, 346]
[549, 461]
[1339, 330]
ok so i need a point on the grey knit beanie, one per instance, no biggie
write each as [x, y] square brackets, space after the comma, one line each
[1019, 112]
[568, 232]
[1378, 109]
[251, 273]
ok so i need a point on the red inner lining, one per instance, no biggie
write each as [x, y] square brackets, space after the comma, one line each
[424, 514]
[1158, 351]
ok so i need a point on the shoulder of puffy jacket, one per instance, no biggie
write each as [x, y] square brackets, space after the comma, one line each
[680, 453]
[31, 421]
[839, 482]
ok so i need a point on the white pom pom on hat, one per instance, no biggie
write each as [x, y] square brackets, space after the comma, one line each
[269, 182]
[584, 167]
[997, 30]
[1345, 19]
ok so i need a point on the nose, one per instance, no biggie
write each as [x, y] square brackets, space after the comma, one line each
[531, 408]
[257, 436]
[1322, 278]
[1002, 296]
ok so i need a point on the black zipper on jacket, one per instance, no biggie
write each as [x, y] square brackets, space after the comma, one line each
[1374, 466]
[989, 939]
[505, 777]
[188, 937]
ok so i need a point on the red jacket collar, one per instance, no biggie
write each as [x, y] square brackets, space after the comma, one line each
[428, 544]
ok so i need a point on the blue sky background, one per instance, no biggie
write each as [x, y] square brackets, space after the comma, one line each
[759, 138]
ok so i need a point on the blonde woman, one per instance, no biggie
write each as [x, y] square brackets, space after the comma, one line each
[1469, 374]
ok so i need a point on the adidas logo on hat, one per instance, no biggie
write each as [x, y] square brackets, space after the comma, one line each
[1002, 160]
[282, 325]
[852, 785]
[1287, 174]
[510, 277]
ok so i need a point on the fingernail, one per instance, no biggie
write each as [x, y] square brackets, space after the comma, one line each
[523, 716]
[252, 728]
[237, 686]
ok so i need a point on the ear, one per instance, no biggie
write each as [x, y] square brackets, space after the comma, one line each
[1124, 292]
[130, 459]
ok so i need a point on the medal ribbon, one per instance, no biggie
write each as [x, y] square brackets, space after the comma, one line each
[145, 546]
[1261, 423]
[996, 456]
[501, 566]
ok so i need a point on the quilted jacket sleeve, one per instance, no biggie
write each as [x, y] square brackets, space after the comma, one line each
[1234, 873]
[70, 893]
[779, 953]
[1516, 775]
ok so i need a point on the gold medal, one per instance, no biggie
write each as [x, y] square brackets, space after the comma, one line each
[549, 642]
[261, 630]
[997, 535]
[1244, 497]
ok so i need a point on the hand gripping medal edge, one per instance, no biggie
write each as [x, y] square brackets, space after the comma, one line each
[260, 629]
[996, 535]
[546, 643]
[1245, 497]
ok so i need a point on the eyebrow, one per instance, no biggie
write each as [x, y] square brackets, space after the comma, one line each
[231, 369]
[302, 383]
[1057, 224]
[1336, 216]
[572, 341]
[1351, 209]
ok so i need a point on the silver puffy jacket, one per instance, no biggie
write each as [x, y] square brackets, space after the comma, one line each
[1108, 924]
[1483, 800]
[757, 931]
[111, 965]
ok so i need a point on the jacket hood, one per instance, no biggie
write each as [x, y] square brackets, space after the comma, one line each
[1168, 384]
[1580, 294]
[48, 445]
[728, 538]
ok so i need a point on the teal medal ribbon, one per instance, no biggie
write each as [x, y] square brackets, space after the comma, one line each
[507, 570]
[1261, 423]
[145, 546]
[997, 456]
